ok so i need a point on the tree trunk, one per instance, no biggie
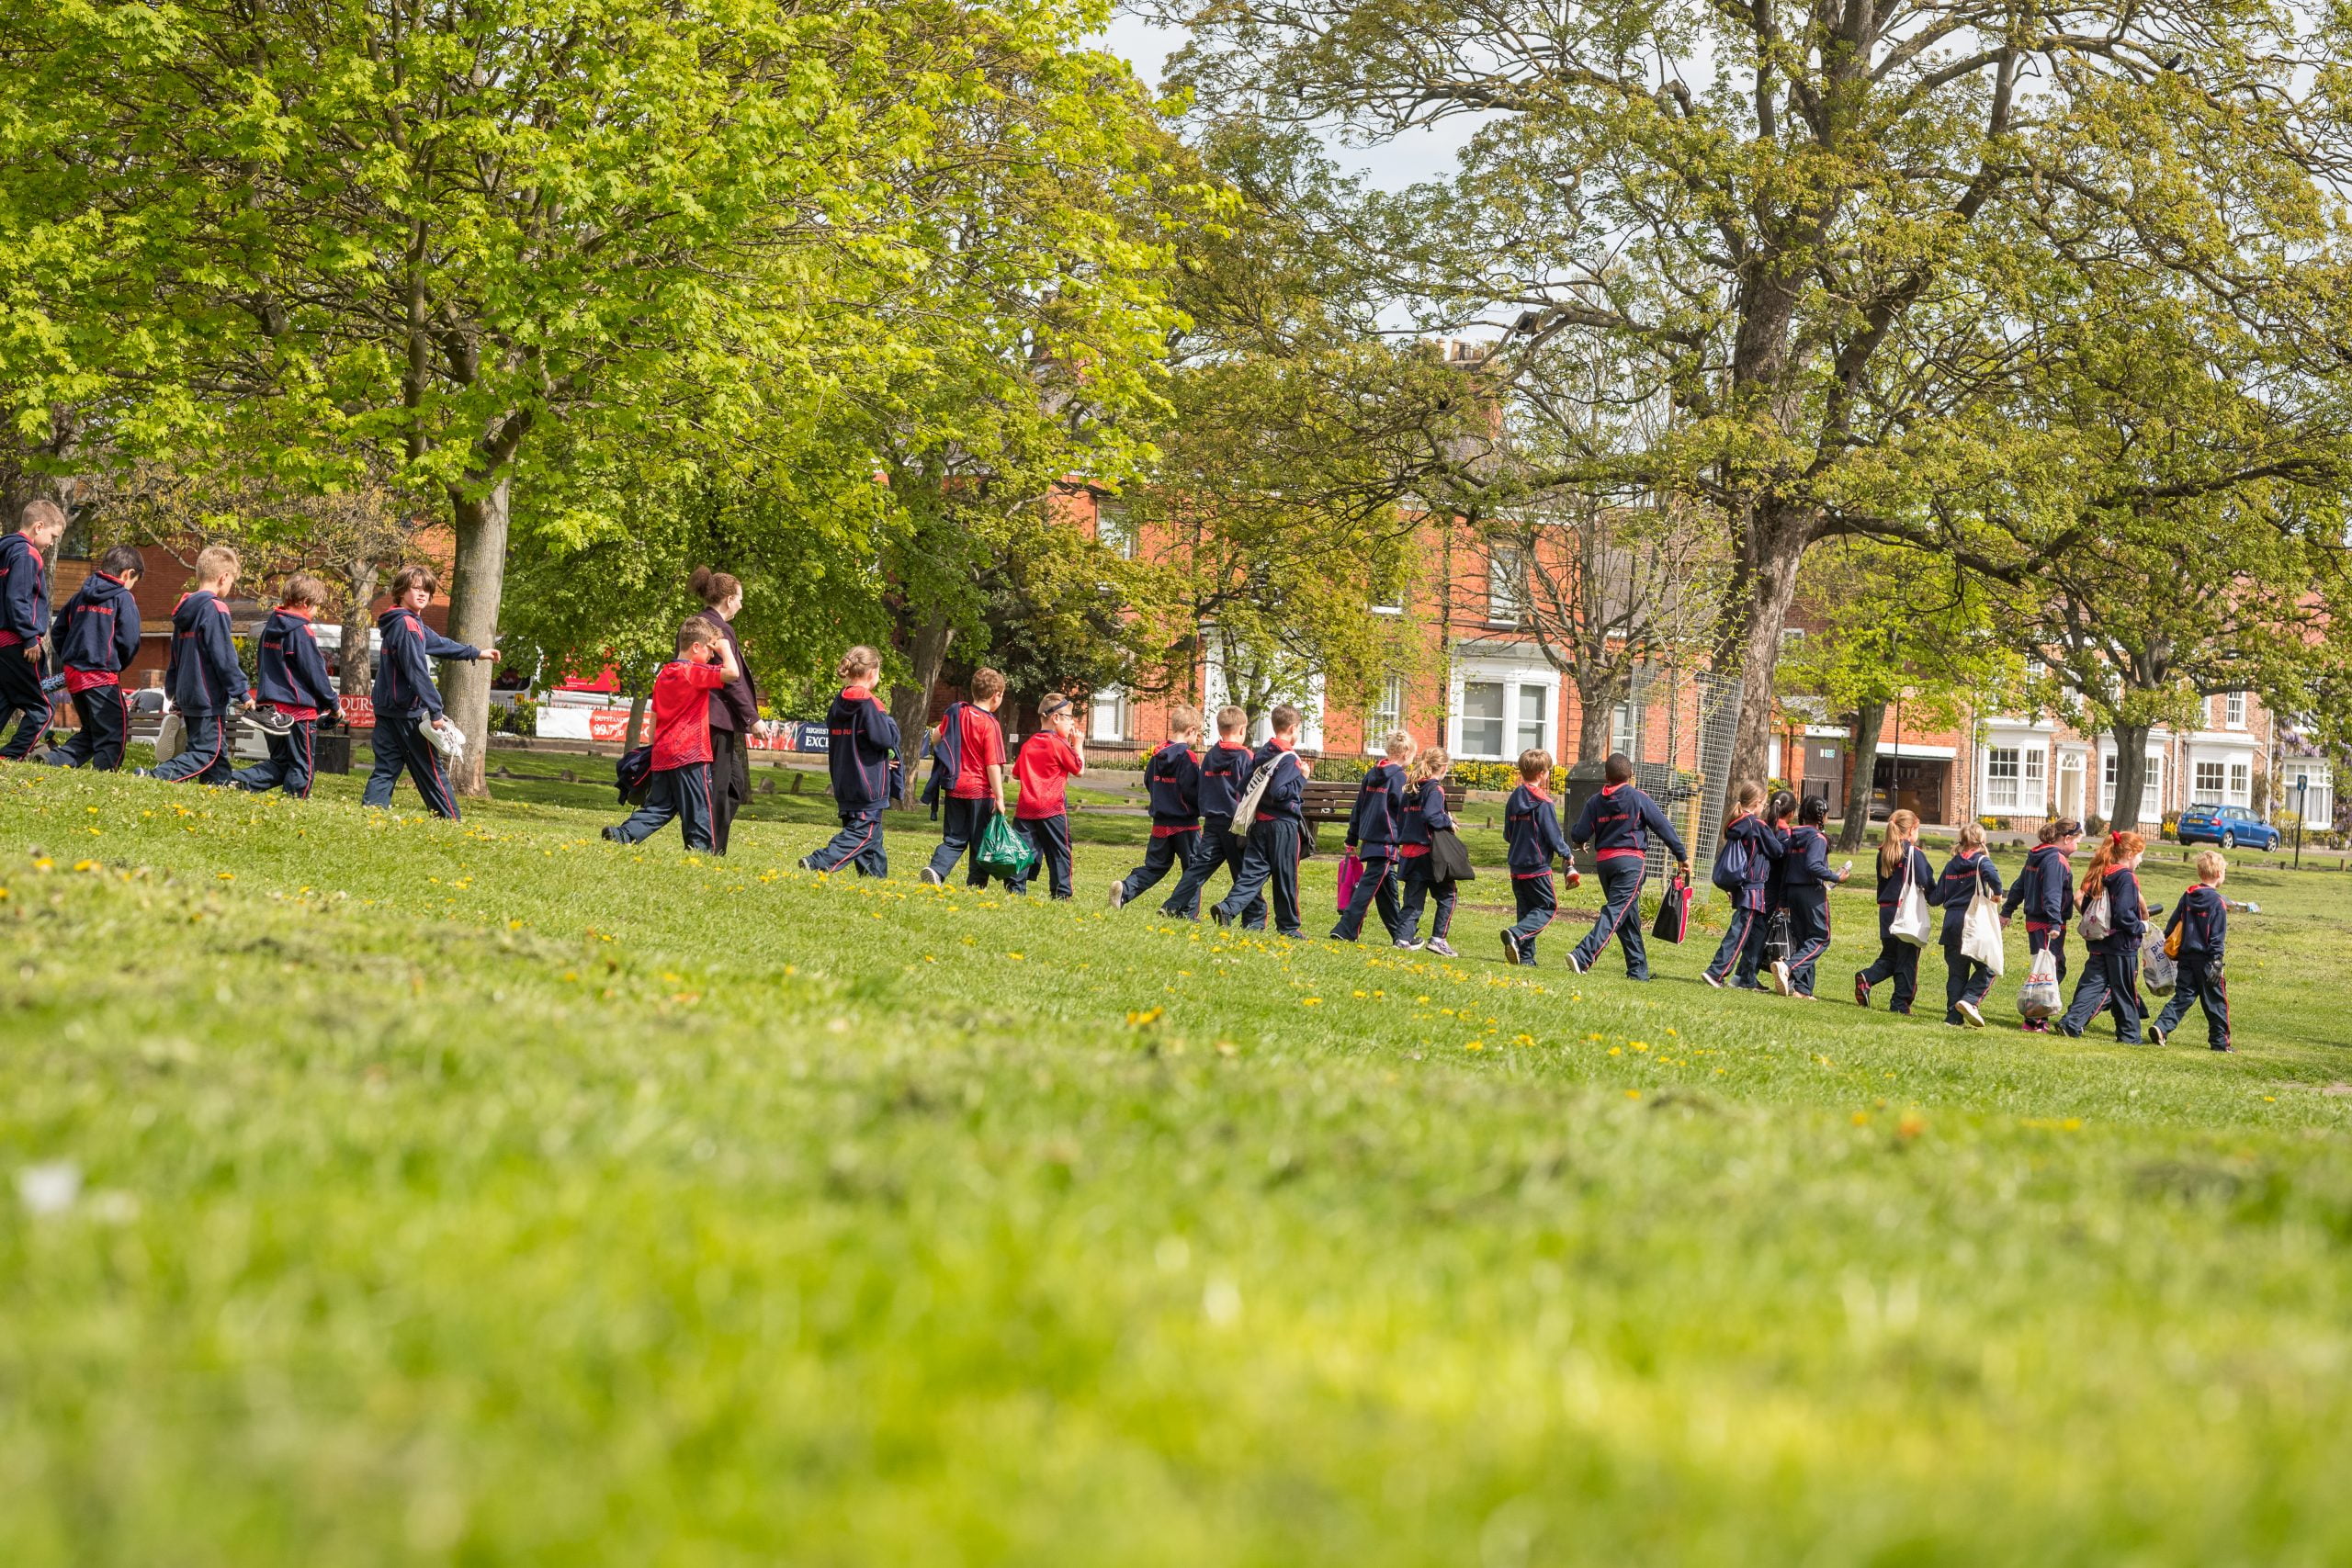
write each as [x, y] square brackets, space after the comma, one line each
[1593, 724]
[1869, 718]
[475, 588]
[2131, 774]
[1780, 544]
[635, 732]
[359, 579]
[911, 699]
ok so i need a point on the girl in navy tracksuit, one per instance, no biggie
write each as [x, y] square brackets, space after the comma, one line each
[1171, 780]
[861, 741]
[1901, 863]
[2111, 967]
[95, 635]
[294, 682]
[1425, 815]
[2202, 921]
[407, 700]
[2045, 891]
[1743, 944]
[1965, 979]
[1805, 881]
[1617, 822]
[1375, 828]
[1531, 834]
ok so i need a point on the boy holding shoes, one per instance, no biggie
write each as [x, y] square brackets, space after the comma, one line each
[95, 635]
[679, 784]
[296, 691]
[406, 699]
[204, 679]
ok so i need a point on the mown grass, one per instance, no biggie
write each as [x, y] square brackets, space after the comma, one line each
[484, 1192]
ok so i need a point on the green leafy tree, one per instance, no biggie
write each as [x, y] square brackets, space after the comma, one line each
[1800, 222]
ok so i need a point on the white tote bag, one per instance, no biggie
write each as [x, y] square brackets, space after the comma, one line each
[1912, 921]
[1980, 933]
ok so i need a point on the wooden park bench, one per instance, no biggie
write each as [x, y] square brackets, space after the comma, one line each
[1328, 802]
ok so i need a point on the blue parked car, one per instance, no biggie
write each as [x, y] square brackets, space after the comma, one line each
[2228, 826]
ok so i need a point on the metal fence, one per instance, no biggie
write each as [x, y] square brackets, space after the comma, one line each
[1683, 722]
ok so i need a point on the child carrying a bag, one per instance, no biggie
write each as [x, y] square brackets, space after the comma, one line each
[1903, 876]
[1968, 874]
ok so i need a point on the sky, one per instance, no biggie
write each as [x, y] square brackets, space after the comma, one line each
[1389, 166]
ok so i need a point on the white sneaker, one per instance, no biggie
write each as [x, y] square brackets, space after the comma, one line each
[932, 878]
[1411, 945]
[1709, 976]
[1574, 962]
[1118, 894]
[1780, 977]
[1967, 1009]
[1438, 946]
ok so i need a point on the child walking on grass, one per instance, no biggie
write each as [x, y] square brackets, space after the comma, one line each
[679, 785]
[1532, 835]
[1172, 781]
[1224, 776]
[1756, 845]
[407, 702]
[206, 681]
[295, 690]
[95, 635]
[1425, 815]
[1046, 762]
[1805, 882]
[968, 765]
[2045, 891]
[2201, 924]
[1965, 979]
[25, 625]
[1270, 863]
[1901, 865]
[860, 741]
[2111, 970]
[1617, 823]
[1375, 827]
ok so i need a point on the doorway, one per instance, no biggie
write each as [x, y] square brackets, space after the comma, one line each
[1911, 783]
[1824, 773]
[2070, 784]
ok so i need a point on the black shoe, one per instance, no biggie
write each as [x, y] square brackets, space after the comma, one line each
[2155, 1036]
[1510, 948]
[613, 835]
[2224, 1046]
[1224, 921]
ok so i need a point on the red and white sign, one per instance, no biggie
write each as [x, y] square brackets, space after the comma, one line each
[608, 724]
[359, 713]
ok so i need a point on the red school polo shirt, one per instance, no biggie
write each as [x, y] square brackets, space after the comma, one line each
[983, 746]
[682, 712]
[1046, 761]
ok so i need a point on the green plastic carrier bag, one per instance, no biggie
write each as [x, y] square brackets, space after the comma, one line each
[1005, 853]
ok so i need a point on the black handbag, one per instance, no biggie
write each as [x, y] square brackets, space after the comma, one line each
[1673, 920]
[1449, 858]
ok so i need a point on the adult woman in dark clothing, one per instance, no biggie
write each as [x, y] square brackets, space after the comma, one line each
[734, 709]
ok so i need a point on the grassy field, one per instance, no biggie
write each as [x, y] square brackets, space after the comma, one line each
[391, 1190]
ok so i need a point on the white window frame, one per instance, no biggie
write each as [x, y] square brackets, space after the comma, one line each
[1387, 714]
[2033, 787]
[1514, 678]
[1113, 530]
[2234, 710]
[1540, 737]
[2241, 785]
[1465, 746]
[2209, 781]
[1624, 727]
[1107, 716]
[1506, 586]
[2004, 778]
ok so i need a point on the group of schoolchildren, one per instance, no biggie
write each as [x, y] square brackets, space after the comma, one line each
[1780, 866]
[92, 638]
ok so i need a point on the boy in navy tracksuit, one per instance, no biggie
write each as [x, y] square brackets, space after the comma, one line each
[679, 784]
[1172, 780]
[24, 625]
[95, 635]
[1901, 863]
[407, 700]
[2110, 978]
[1741, 952]
[2045, 891]
[1531, 834]
[1225, 774]
[2202, 919]
[1270, 862]
[1965, 979]
[1425, 817]
[860, 741]
[204, 678]
[1805, 881]
[1617, 823]
[1375, 827]
[295, 687]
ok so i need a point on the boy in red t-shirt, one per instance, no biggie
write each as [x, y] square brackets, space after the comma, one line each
[679, 784]
[1049, 758]
[976, 796]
